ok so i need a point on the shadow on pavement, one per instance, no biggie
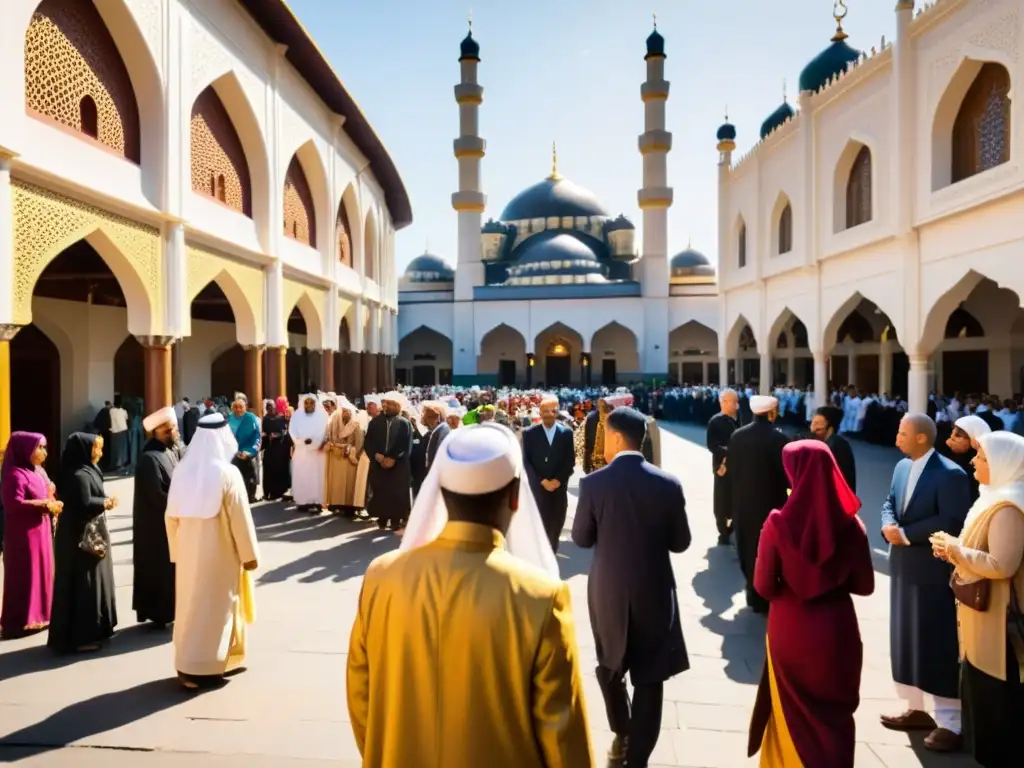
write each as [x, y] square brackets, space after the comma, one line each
[572, 560]
[346, 560]
[40, 658]
[94, 716]
[743, 635]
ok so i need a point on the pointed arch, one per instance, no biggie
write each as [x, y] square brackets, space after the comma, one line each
[311, 317]
[615, 340]
[559, 332]
[343, 235]
[246, 325]
[830, 334]
[937, 320]
[742, 241]
[740, 334]
[305, 189]
[786, 320]
[218, 165]
[370, 246]
[853, 192]
[233, 100]
[971, 128]
[782, 225]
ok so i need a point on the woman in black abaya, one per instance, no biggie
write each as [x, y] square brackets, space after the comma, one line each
[277, 451]
[84, 613]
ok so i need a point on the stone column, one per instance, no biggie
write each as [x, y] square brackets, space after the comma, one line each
[851, 365]
[820, 379]
[158, 369]
[7, 333]
[368, 378]
[765, 383]
[6, 241]
[917, 384]
[790, 368]
[277, 372]
[327, 370]
[885, 367]
[254, 378]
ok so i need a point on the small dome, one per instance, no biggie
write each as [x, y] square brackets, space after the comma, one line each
[552, 197]
[470, 49]
[655, 44]
[428, 268]
[726, 132]
[619, 222]
[830, 62]
[777, 119]
[690, 263]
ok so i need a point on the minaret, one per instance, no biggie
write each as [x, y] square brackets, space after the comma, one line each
[469, 201]
[656, 196]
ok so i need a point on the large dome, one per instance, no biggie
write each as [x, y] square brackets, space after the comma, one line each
[552, 197]
[428, 268]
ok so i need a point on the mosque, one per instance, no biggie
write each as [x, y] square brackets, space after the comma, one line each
[871, 236]
[191, 204]
[874, 234]
[556, 291]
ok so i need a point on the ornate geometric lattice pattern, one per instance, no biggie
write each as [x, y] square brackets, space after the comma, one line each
[45, 223]
[219, 167]
[70, 55]
[205, 265]
[992, 133]
[299, 214]
[341, 235]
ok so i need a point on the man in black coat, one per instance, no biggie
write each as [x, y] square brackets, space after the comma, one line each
[549, 457]
[389, 445]
[825, 426]
[153, 582]
[720, 429]
[432, 420]
[757, 484]
[634, 514]
[929, 493]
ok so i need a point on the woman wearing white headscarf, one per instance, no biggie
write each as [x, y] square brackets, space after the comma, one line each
[212, 541]
[989, 583]
[962, 446]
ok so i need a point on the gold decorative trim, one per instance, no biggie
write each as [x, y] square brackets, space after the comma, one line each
[470, 207]
[656, 147]
[654, 96]
[658, 202]
[469, 100]
[46, 223]
[469, 153]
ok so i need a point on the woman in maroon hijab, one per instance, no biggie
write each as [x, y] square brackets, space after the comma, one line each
[813, 555]
[28, 545]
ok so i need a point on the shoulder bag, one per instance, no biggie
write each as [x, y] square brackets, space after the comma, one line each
[92, 541]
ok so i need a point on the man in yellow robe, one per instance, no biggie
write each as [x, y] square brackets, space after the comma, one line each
[347, 463]
[212, 541]
[462, 655]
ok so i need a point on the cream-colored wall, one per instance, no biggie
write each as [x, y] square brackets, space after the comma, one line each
[197, 353]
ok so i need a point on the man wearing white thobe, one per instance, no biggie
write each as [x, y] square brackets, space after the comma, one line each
[308, 430]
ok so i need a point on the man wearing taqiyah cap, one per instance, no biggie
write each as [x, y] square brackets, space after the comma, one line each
[389, 447]
[153, 579]
[502, 632]
[757, 484]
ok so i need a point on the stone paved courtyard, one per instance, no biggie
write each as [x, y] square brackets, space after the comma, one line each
[123, 707]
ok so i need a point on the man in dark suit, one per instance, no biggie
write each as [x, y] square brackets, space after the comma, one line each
[720, 429]
[549, 457]
[825, 427]
[757, 485]
[634, 514]
[929, 493]
[432, 416]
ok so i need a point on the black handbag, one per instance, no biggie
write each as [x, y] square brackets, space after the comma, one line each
[92, 541]
[974, 595]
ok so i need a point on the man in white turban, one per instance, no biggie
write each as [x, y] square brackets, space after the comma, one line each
[153, 571]
[212, 541]
[489, 610]
[757, 485]
[308, 429]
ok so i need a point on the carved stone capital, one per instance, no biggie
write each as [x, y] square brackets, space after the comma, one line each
[8, 332]
[156, 341]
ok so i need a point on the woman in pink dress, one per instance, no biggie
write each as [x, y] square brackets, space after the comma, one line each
[28, 537]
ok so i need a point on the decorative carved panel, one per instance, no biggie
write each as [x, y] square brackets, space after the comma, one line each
[219, 167]
[299, 214]
[70, 57]
[45, 223]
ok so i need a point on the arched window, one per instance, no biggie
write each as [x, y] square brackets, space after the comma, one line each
[963, 325]
[858, 190]
[786, 230]
[981, 133]
[90, 117]
[218, 191]
[741, 246]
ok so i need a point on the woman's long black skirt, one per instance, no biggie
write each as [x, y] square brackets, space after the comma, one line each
[248, 469]
[993, 713]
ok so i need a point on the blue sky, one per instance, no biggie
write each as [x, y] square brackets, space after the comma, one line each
[570, 71]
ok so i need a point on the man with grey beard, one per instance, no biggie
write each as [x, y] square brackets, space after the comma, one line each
[153, 584]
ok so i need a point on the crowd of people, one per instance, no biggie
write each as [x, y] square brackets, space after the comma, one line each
[484, 474]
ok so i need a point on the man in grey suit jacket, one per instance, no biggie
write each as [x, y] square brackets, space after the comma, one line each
[929, 493]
